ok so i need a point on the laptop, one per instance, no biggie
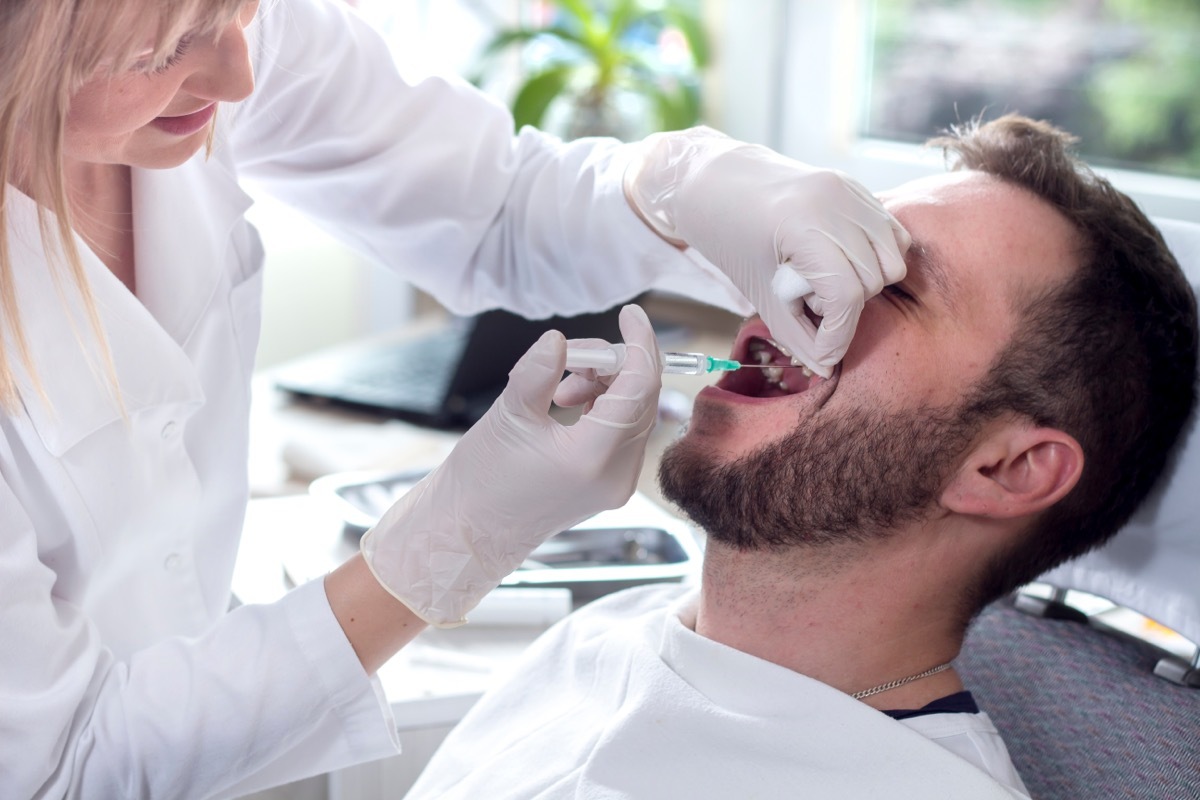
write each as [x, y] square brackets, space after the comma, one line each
[446, 379]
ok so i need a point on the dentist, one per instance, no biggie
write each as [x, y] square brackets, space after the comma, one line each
[130, 291]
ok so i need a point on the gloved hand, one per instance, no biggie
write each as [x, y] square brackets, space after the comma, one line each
[766, 221]
[516, 478]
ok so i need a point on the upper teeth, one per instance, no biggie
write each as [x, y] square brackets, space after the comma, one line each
[775, 373]
[795, 361]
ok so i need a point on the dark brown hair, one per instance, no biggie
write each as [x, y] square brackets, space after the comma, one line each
[1109, 356]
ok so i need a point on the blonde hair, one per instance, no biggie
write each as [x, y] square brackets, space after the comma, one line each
[48, 49]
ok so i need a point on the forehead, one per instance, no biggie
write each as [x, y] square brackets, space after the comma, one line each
[993, 239]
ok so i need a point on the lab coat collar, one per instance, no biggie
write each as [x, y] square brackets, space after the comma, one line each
[184, 219]
[78, 399]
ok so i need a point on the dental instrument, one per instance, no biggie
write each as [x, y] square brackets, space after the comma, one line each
[608, 360]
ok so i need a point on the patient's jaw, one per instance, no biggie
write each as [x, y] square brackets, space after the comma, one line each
[870, 449]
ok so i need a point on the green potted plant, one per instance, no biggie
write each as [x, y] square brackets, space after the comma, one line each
[621, 68]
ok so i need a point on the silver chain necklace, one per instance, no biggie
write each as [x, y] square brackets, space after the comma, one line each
[893, 684]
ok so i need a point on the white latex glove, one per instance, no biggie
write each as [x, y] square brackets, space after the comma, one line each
[516, 478]
[779, 229]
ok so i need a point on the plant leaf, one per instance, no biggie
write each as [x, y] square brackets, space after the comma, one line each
[521, 36]
[625, 13]
[537, 93]
[568, 35]
[596, 45]
[508, 37]
[676, 107]
[579, 9]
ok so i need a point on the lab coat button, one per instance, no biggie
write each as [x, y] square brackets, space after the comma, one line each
[168, 430]
[173, 562]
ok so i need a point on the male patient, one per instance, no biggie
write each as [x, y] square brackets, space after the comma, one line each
[1002, 409]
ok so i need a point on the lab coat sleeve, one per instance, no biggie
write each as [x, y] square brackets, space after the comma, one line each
[429, 179]
[212, 716]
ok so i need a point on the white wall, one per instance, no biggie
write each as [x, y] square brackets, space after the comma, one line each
[318, 293]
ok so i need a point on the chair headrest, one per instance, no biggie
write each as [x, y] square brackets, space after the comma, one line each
[1153, 565]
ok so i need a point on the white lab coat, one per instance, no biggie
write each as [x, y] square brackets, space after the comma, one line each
[121, 673]
[623, 700]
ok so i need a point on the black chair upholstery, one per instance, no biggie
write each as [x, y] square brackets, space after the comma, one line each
[1081, 711]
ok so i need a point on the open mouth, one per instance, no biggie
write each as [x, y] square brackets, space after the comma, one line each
[781, 375]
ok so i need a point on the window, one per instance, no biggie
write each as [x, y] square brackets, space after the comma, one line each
[857, 84]
[1122, 75]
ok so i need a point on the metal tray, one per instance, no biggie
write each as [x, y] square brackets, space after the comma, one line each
[635, 544]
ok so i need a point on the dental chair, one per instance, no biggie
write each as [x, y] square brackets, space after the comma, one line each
[1092, 674]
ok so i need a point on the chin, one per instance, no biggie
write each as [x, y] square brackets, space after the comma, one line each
[171, 156]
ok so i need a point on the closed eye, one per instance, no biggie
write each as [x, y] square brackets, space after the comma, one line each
[181, 50]
[898, 292]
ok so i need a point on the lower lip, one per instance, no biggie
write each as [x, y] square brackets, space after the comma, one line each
[187, 124]
[715, 393]
[818, 393]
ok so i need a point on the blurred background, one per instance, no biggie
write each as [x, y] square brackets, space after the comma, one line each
[1123, 74]
[852, 84]
[856, 85]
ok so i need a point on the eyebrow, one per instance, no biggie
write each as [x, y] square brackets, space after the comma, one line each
[928, 262]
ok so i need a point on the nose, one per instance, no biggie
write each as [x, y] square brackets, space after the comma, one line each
[223, 73]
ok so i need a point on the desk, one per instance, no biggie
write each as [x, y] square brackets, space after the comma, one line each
[433, 682]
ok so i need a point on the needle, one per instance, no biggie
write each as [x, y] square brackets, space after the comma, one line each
[606, 361]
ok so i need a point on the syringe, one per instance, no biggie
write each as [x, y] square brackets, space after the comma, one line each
[606, 361]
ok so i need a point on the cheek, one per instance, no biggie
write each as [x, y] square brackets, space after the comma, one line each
[890, 360]
[883, 343]
[875, 327]
[248, 12]
[108, 108]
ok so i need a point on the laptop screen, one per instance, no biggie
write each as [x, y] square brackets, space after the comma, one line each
[446, 379]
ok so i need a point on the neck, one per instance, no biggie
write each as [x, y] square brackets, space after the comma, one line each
[853, 619]
[101, 203]
[79, 177]
[102, 208]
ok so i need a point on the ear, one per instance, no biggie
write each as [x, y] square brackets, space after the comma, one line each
[1017, 470]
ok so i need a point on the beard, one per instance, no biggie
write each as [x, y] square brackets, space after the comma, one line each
[849, 480]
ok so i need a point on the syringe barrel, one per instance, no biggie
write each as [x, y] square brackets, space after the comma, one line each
[684, 363]
[608, 360]
[605, 361]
